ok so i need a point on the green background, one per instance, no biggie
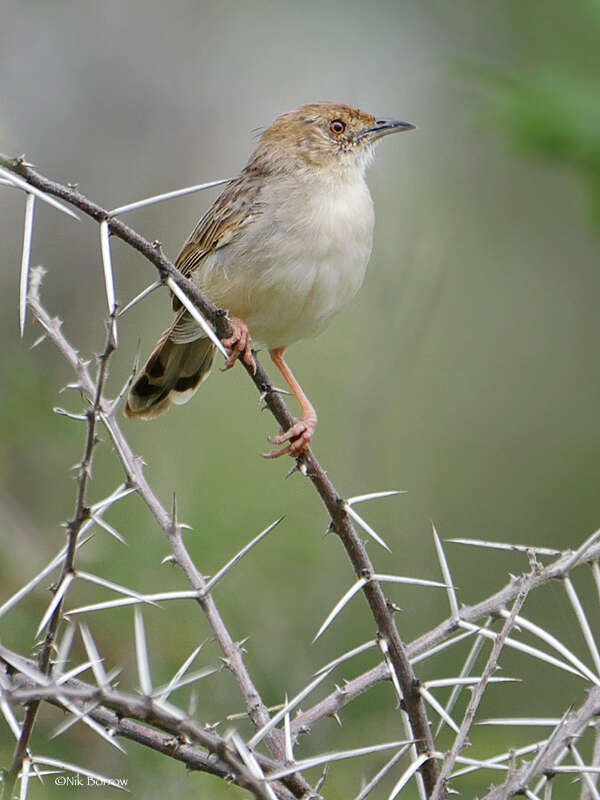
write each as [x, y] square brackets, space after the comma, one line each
[465, 372]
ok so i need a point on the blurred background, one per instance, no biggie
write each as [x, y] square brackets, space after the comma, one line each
[465, 372]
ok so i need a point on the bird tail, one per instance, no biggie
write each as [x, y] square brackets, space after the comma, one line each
[173, 372]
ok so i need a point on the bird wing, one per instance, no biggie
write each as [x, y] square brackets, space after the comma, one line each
[232, 211]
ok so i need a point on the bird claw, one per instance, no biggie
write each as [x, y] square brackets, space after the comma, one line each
[298, 435]
[238, 344]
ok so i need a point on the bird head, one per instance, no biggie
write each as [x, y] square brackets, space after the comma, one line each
[331, 136]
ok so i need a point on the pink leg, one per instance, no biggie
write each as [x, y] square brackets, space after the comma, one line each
[301, 432]
[238, 345]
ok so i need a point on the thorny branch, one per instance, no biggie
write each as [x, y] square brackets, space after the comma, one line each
[224, 759]
[586, 792]
[490, 606]
[461, 738]
[574, 725]
[132, 465]
[80, 516]
[341, 522]
[123, 713]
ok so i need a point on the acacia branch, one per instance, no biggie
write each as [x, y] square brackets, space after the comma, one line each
[489, 607]
[574, 725]
[461, 737]
[124, 714]
[75, 525]
[132, 465]
[341, 522]
[586, 791]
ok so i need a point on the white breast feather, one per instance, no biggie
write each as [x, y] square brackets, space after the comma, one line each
[300, 262]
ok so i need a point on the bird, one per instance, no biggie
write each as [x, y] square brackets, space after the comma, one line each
[283, 249]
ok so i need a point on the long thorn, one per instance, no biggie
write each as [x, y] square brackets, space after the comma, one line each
[148, 201]
[26, 260]
[224, 570]
[23, 184]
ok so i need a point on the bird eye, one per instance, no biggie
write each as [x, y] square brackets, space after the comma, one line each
[337, 126]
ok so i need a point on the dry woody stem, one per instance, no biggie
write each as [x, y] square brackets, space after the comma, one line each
[132, 465]
[148, 718]
[341, 523]
[80, 516]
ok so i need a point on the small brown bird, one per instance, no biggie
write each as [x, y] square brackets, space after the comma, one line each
[283, 248]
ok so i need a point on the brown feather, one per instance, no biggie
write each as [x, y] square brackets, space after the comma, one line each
[176, 368]
[298, 144]
[235, 208]
[172, 374]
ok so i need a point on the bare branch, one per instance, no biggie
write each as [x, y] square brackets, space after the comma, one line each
[399, 658]
[574, 726]
[469, 716]
[586, 793]
[428, 642]
[135, 478]
[74, 528]
[340, 513]
[122, 713]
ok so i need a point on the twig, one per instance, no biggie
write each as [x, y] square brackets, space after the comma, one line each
[116, 710]
[491, 606]
[132, 465]
[575, 723]
[341, 522]
[74, 527]
[461, 737]
[586, 793]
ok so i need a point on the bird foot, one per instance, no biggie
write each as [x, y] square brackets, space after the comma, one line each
[298, 435]
[238, 344]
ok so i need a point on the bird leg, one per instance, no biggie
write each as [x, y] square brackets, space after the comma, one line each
[238, 345]
[302, 430]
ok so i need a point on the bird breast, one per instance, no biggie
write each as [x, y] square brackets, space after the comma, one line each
[300, 261]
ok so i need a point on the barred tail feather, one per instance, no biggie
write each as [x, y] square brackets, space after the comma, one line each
[172, 374]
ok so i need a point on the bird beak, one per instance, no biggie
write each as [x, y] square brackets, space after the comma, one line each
[384, 126]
